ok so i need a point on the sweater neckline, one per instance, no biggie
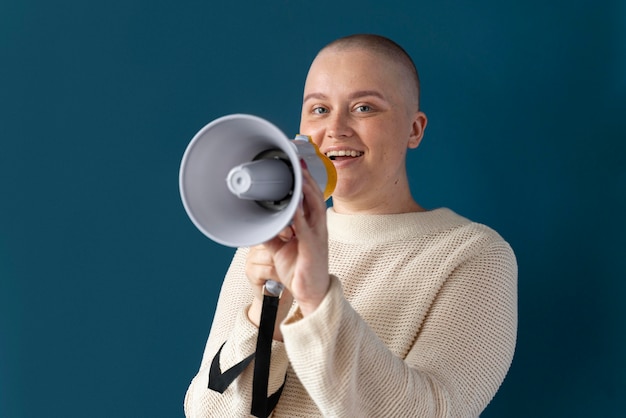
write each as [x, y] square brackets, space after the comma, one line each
[363, 228]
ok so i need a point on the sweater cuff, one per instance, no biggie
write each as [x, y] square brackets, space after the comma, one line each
[242, 343]
[300, 331]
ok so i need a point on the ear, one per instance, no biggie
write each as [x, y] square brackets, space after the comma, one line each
[418, 126]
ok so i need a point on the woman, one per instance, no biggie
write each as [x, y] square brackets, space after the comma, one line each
[389, 310]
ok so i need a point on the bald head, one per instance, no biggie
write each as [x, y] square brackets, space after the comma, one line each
[388, 51]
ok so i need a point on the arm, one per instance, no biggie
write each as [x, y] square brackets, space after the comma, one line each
[459, 359]
[232, 328]
[239, 306]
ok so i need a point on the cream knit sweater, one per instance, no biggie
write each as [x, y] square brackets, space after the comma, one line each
[420, 321]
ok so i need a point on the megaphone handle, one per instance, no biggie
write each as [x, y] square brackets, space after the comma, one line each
[274, 288]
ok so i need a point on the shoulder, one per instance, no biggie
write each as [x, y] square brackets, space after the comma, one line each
[476, 238]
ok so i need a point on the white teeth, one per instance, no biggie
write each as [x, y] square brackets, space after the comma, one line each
[344, 153]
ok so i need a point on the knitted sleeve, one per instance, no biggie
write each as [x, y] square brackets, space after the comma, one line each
[232, 329]
[454, 368]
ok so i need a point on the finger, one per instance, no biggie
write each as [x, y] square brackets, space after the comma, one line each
[259, 254]
[308, 225]
[286, 234]
[274, 245]
[258, 274]
[260, 266]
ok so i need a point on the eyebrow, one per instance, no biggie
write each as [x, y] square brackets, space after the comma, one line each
[355, 95]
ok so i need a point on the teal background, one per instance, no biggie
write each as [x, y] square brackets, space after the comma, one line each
[107, 290]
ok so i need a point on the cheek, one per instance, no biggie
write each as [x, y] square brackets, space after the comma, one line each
[315, 134]
[304, 129]
[392, 154]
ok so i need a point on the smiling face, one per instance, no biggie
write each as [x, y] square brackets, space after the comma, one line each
[359, 110]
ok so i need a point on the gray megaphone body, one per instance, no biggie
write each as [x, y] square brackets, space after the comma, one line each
[241, 180]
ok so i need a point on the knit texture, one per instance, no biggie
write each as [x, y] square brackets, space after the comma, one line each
[420, 321]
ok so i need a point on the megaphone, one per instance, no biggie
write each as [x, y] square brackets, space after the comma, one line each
[241, 183]
[241, 179]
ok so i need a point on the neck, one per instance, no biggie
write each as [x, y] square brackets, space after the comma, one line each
[379, 207]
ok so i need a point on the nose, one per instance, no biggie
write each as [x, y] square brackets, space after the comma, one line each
[339, 125]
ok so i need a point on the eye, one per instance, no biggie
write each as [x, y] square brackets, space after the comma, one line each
[319, 110]
[363, 108]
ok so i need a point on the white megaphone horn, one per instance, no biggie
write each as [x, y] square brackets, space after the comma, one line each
[241, 179]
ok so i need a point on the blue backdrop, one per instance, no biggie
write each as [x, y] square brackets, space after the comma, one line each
[107, 290]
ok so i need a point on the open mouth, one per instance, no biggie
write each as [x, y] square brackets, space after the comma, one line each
[343, 153]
